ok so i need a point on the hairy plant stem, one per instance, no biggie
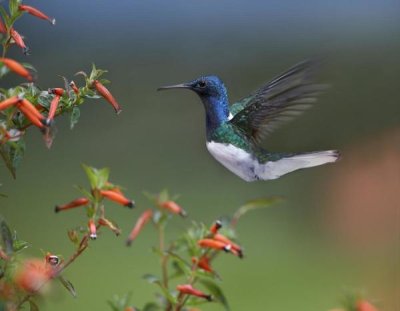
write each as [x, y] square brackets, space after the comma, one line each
[82, 247]
[163, 261]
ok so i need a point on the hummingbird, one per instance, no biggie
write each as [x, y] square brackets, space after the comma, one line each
[234, 132]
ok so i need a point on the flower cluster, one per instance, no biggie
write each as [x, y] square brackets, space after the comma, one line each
[27, 104]
[100, 189]
[201, 245]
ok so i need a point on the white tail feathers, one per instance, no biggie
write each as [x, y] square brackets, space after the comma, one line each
[275, 169]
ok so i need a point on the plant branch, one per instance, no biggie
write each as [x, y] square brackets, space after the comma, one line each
[82, 247]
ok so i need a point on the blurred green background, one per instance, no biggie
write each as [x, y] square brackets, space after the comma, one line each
[339, 227]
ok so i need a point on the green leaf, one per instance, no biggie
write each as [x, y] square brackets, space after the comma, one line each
[152, 279]
[97, 178]
[160, 218]
[84, 192]
[3, 70]
[216, 292]
[6, 237]
[103, 175]
[4, 152]
[255, 204]
[75, 114]
[19, 245]
[68, 285]
[151, 306]
[33, 306]
[5, 16]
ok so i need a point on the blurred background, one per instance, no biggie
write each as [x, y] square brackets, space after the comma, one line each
[339, 227]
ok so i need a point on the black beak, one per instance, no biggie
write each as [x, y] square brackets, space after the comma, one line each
[176, 86]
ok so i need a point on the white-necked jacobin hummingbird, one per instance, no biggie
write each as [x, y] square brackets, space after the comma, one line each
[234, 131]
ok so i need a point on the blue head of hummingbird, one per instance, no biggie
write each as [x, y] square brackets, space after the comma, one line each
[214, 97]
[234, 131]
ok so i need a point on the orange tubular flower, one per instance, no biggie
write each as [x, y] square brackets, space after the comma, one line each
[117, 197]
[210, 243]
[189, 290]
[9, 102]
[30, 114]
[174, 208]
[18, 40]
[35, 12]
[75, 203]
[74, 87]
[215, 227]
[103, 91]
[107, 223]
[56, 91]
[364, 305]
[235, 249]
[53, 109]
[92, 229]
[203, 263]
[33, 274]
[140, 223]
[16, 67]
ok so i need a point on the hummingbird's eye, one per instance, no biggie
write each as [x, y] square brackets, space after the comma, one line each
[202, 84]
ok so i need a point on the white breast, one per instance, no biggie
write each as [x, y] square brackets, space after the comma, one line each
[234, 159]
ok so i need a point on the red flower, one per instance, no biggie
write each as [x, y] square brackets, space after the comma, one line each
[140, 223]
[56, 91]
[173, 207]
[35, 12]
[364, 305]
[235, 249]
[92, 229]
[189, 290]
[215, 227]
[18, 40]
[103, 91]
[74, 87]
[52, 260]
[117, 197]
[210, 243]
[107, 223]
[33, 274]
[17, 68]
[31, 113]
[3, 28]
[9, 102]
[203, 263]
[53, 109]
[75, 203]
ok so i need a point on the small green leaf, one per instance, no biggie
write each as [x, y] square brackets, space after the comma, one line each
[4, 152]
[6, 237]
[68, 285]
[75, 114]
[33, 306]
[84, 192]
[254, 204]
[103, 175]
[151, 306]
[152, 279]
[20, 245]
[92, 175]
[5, 16]
[216, 292]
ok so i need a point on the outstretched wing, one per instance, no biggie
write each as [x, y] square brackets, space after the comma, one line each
[285, 97]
